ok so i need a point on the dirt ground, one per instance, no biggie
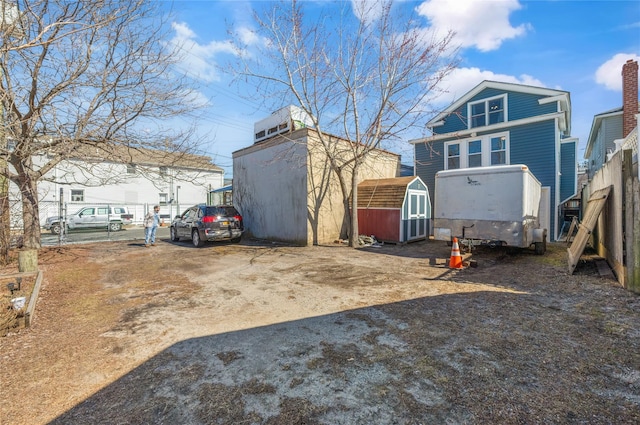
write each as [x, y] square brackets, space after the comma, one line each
[258, 333]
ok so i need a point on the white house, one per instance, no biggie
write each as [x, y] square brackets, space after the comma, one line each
[173, 181]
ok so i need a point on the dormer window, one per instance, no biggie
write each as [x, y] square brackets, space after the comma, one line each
[487, 112]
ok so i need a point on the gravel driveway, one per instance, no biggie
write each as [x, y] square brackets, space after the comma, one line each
[258, 333]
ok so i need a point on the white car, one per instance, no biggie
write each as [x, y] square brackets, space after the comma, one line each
[93, 216]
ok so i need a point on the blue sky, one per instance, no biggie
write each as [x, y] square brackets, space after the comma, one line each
[572, 45]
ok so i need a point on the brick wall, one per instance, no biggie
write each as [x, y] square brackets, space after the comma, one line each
[629, 96]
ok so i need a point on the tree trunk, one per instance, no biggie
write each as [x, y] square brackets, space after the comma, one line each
[5, 223]
[353, 235]
[30, 212]
[5, 218]
[28, 260]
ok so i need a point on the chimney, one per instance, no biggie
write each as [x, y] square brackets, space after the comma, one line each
[629, 96]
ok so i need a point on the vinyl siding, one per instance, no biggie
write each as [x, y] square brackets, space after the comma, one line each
[522, 105]
[568, 170]
[429, 159]
[610, 129]
[453, 122]
[519, 106]
[534, 146]
[416, 185]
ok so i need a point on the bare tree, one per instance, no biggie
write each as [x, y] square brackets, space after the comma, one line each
[80, 76]
[368, 80]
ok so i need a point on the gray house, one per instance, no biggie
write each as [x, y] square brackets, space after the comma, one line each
[502, 123]
[610, 128]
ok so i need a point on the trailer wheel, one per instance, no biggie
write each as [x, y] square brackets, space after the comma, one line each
[540, 247]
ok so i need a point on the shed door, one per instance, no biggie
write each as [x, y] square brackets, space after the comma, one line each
[417, 218]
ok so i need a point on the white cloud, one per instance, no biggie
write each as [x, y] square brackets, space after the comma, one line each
[368, 10]
[609, 74]
[197, 99]
[248, 36]
[197, 60]
[477, 23]
[462, 80]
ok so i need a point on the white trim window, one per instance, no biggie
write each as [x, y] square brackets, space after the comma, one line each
[492, 110]
[77, 195]
[483, 151]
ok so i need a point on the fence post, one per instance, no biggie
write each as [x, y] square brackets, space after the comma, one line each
[632, 219]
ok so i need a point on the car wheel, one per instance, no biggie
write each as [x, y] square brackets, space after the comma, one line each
[55, 229]
[195, 238]
[540, 247]
[115, 227]
[174, 234]
[236, 240]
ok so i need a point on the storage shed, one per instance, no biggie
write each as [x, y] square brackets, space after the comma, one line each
[394, 210]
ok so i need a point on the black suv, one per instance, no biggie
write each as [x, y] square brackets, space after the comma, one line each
[203, 223]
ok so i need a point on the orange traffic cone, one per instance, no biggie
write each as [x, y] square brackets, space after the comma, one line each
[455, 262]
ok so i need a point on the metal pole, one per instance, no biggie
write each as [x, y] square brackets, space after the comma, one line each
[177, 200]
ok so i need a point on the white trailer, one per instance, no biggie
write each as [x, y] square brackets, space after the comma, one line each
[495, 206]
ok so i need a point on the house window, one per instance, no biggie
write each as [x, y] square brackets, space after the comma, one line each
[481, 151]
[474, 150]
[487, 112]
[77, 195]
[131, 168]
[163, 198]
[478, 115]
[453, 156]
[498, 150]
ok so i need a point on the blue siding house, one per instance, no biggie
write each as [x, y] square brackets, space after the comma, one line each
[605, 130]
[503, 123]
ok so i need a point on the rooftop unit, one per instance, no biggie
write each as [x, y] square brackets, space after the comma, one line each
[284, 120]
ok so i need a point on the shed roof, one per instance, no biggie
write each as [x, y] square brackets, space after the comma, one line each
[383, 193]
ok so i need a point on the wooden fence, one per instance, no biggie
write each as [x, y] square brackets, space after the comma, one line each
[616, 236]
